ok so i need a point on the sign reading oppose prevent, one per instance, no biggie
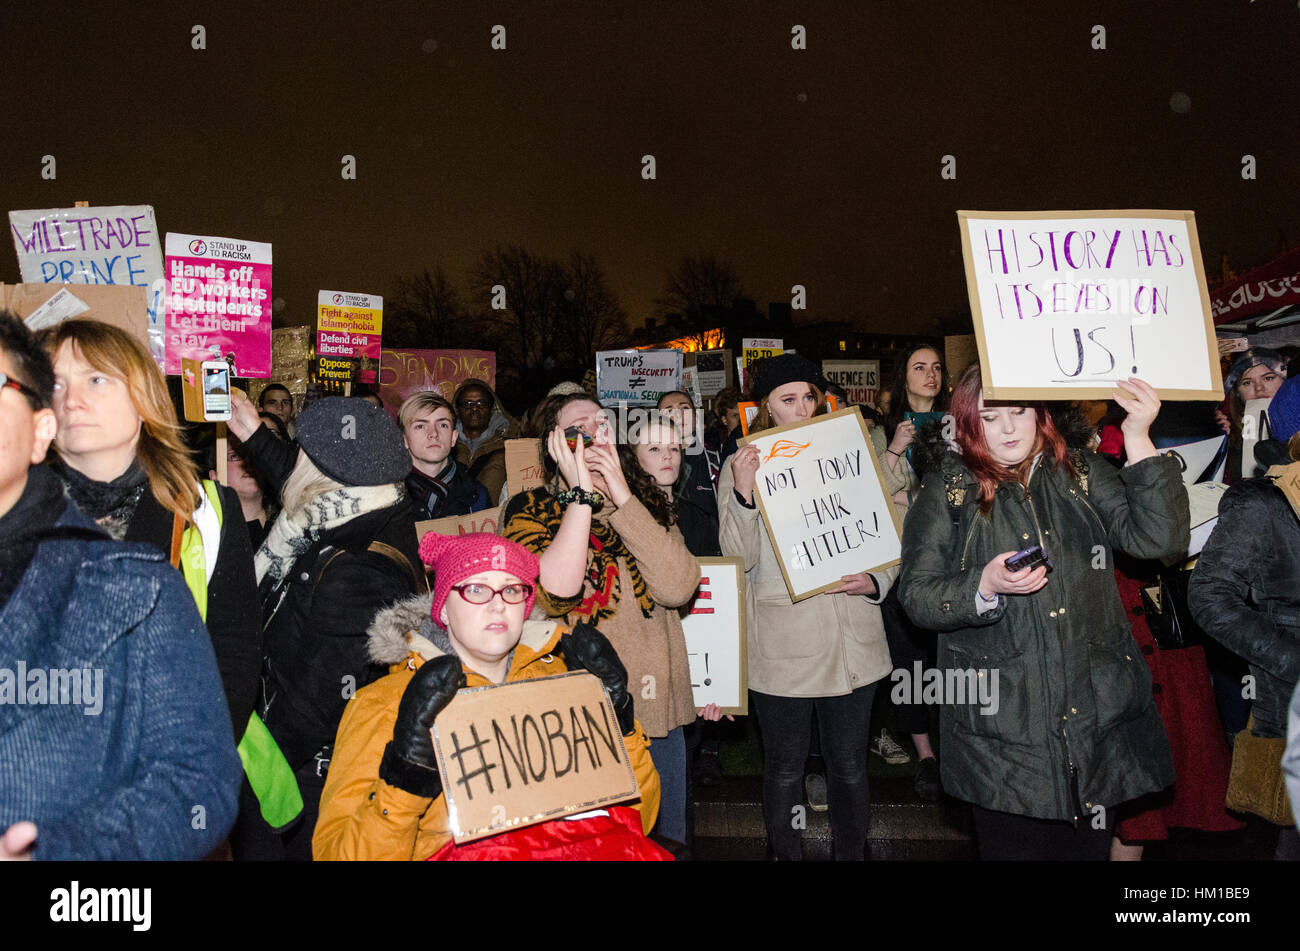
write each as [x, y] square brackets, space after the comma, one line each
[820, 489]
[516, 754]
[1067, 303]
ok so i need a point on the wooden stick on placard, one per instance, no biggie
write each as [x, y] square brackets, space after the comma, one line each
[221, 453]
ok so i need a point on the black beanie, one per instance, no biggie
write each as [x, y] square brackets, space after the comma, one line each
[353, 441]
[782, 369]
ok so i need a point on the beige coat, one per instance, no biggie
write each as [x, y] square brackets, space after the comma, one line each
[825, 646]
[901, 479]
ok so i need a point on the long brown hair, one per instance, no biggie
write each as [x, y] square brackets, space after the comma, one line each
[662, 505]
[161, 451]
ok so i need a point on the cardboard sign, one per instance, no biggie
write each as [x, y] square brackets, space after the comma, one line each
[1067, 303]
[637, 377]
[1287, 478]
[715, 636]
[959, 352]
[403, 373]
[349, 325]
[523, 465]
[290, 355]
[488, 520]
[515, 754]
[115, 244]
[219, 303]
[821, 491]
[860, 378]
[126, 307]
[712, 370]
[760, 348]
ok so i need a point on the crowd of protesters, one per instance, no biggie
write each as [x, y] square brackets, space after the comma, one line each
[251, 670]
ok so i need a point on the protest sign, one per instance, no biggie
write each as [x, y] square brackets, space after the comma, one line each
[1067, 303]
[691, 384]
[523, 465]
[515, 754]
[44, 305]
[760, 348]
[1203, 505]
[715, 636]
[821, 491]
[349, 325]
[1194, 458]
[637, 377]
[290, 354]
[219, 303]
[1254, 429]
[748, 412]
[334, 375]
[712, 370]
[1287, 478]
[488, 520]
[115, 244]
[959, 352]
[403, 373]
[860, 378]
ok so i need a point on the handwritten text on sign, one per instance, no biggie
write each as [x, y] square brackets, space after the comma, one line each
[860, 378]
[515, 754]
[1076, 302]
[820, 490]
[637, 377]
[715, 636]
[405, 372]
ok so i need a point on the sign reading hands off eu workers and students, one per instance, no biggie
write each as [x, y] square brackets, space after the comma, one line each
[219, 303]
[1067, 303]
[516, 754]
[349, 326]
[637, 377]
[116, 244]
[821, 492]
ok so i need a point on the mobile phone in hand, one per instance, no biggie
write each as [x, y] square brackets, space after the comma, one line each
[1028, 558]
[573, 434]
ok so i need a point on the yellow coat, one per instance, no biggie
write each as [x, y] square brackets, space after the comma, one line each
[361, 816]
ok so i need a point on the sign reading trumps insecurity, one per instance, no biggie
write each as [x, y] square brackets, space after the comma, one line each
[821, 491]
[1067, 303]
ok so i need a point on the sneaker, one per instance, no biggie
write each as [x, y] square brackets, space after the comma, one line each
[814, 787]
[927, 783]
[884, 746]
[708, 770]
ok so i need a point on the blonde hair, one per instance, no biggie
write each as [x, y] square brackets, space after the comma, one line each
[161, 451]
[305, 483]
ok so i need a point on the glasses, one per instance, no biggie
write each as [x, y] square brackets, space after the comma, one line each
[476, 593]
[479, 403]
[23, 388]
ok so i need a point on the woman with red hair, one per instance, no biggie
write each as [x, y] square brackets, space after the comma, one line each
[1007, 552]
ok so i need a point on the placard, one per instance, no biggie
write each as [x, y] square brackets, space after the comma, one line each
[715, 637]
[290, 356]
[1254, 429]
[821, 491]
[114, 244]
[219, 303]
[349, 325]
[123, 305]
[1194, 459]
[760, 348]
[334, 375]
[403, 373]
[860, 378]
[1287, 478]
[637, 377]
[691, 384]
[515, 754]
[523, 465]
[1068, 303]
[712, 370]
[488, 520]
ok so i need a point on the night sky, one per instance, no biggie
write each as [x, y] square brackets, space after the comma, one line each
[818, 167]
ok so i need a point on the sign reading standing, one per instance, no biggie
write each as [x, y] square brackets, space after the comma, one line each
[715, 636]
[403, 373]
[349, 325]
[1067, 303]
[821, 492]
[637, 377]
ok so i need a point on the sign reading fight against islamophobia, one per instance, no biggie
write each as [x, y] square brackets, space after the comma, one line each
[637, 377]
[116, 244]
[715, 637]
[219, 303]
[1067, 303]
[515, 754]
[348, 326]
[821, 492]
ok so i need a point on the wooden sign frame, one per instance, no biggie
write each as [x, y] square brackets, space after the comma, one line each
[738, 566]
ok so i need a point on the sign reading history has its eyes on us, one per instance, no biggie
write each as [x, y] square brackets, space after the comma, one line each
[1068, 303]
[821, 491]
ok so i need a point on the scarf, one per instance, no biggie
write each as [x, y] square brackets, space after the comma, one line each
[430, 493]
[293, 533]
[110, 504]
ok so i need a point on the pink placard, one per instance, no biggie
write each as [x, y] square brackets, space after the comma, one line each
[403, 372]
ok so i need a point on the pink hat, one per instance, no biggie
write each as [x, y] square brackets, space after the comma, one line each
[454, 558]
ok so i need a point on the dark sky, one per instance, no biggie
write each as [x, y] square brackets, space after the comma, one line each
[818, 167]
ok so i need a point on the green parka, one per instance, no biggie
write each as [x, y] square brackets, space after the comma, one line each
[1073, 703]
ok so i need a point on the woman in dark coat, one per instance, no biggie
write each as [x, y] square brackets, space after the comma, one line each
[1065, 730]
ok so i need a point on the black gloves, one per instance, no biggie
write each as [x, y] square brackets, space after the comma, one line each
[585, 648]
[409, 762]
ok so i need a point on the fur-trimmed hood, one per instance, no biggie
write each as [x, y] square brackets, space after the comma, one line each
[408, 627]
[932, 453]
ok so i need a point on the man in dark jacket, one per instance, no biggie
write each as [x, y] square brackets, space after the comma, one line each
[114, 737]
[439, 485]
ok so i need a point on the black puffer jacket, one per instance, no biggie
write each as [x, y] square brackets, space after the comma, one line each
[1245, 593]
[1073, 694]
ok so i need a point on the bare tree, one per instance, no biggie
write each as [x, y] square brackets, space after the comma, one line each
[425, 311]
[700, 288]
[590, 316]
[528, 320]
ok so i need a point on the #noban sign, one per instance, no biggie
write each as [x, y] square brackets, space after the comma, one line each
[820, 489]
[515, 754]
[1067, 303]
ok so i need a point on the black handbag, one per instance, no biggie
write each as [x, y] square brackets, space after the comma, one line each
[1168, 615]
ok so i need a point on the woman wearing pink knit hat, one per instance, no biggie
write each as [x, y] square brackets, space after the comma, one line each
[383, 797]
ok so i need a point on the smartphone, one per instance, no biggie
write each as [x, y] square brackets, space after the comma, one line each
[216, 390]
[1028, 558]
[571, 436]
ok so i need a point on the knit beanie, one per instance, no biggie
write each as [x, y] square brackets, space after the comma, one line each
[782, 369]
[353, 441]
[1253, 357]
[1284, 411]
[454, 558]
